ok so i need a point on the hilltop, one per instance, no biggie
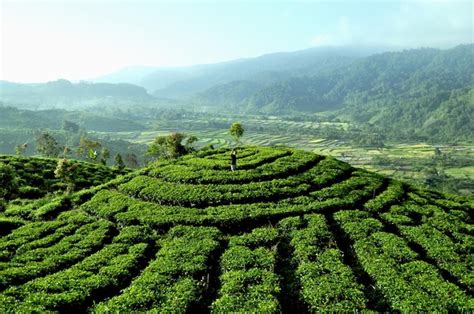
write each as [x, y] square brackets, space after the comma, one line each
[288, 230]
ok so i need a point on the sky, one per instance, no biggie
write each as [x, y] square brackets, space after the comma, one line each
[72, 39]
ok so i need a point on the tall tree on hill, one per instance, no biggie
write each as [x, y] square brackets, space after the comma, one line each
[47, 145]
[65, 172]
[88, 149]
[237, 131]
[119, 162]
[105, 156]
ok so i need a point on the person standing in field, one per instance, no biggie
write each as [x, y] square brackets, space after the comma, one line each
[233, 160]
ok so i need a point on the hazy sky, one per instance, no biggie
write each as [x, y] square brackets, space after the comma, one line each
[46, 40]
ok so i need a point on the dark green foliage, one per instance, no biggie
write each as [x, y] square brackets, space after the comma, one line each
[248, 281]
[169, 282]
[8, 181]
[236, 130]
[171, 146]
[119, 162]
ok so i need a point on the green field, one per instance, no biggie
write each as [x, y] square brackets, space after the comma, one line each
[288, 230]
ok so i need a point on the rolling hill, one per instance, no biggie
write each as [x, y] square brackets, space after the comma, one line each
[14, 118]
[289, 230]
[64, 94]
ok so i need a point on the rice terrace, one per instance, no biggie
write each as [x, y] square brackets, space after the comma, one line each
[287, 231]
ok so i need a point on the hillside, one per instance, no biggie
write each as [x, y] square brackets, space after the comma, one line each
[289, 230]
[399, 94]
[35, 176]
[387, 78]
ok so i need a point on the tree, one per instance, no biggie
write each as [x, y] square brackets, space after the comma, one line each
[88, 149]
[105, 156]
[175, 146]
[119, 162]
[237, 131]
[171, 146]
[158, 148]
[47, 146]
[65, 172]
[20, 149]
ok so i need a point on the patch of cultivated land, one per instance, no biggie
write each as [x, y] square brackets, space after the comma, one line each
[403, 161]
[288, 230]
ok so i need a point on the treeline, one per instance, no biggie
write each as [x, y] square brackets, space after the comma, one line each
[14, 118]
[70, 142]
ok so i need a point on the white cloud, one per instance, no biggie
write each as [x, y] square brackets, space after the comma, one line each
[414, 24]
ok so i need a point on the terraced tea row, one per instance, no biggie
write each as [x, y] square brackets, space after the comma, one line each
[36, 175]
[289, 231]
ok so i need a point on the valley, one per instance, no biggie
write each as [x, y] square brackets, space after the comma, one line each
[446, 167]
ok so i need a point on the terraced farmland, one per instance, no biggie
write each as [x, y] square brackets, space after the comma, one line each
[288, 231]
[36, 175]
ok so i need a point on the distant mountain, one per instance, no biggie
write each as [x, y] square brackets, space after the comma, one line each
[130, 75]
[62, 93]
[283, 65]
[384, 77]
[182, 82]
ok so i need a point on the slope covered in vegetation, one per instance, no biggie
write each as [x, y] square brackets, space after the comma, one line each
[400, 94]
[35, 176]
[287, 230]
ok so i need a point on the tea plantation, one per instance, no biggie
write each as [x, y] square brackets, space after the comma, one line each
[36, 175]
[289, 231]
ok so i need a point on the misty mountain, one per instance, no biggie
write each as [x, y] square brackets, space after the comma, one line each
[130, 75]
[182, 82]
[385, 78]
[63, 93]
[283, 64]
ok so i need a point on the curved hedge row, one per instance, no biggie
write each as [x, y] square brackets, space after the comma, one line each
[288, 231]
